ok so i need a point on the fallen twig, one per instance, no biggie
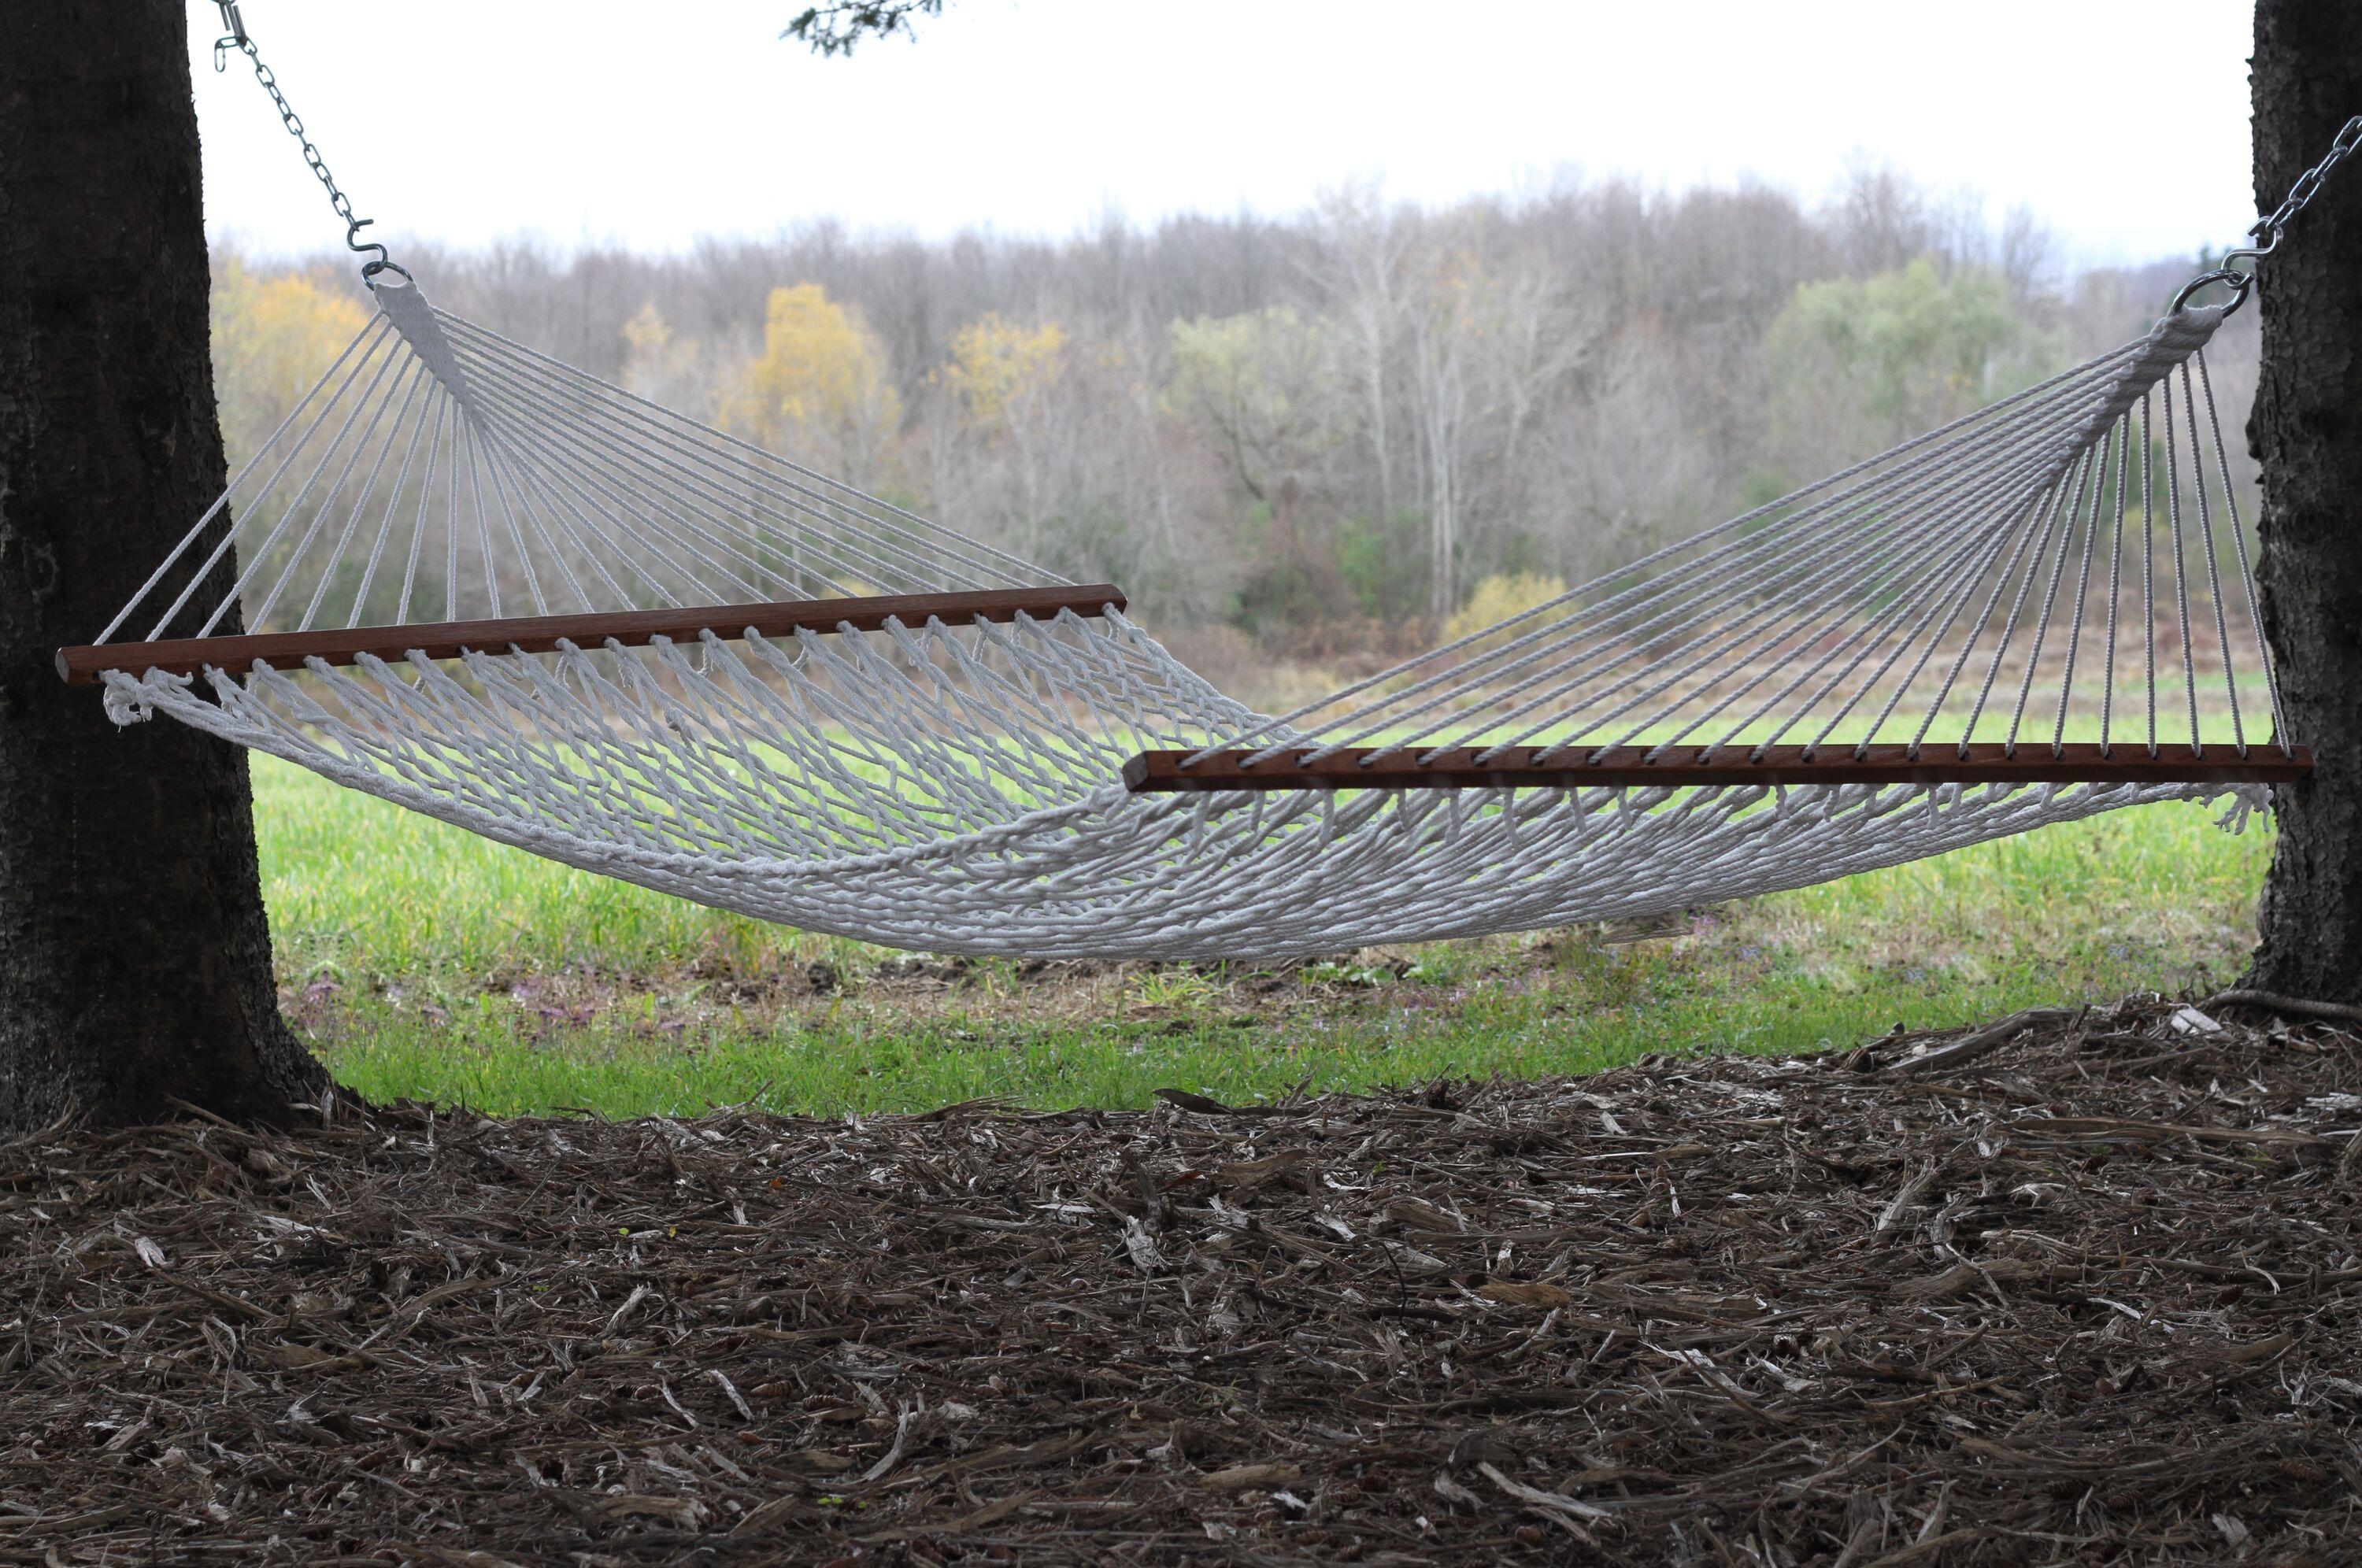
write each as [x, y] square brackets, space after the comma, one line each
[2287, 1007]
[1977, 1042]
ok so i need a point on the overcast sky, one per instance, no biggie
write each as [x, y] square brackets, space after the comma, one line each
[2122, 122]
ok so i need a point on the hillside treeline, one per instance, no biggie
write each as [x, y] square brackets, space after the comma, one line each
[1318, 438]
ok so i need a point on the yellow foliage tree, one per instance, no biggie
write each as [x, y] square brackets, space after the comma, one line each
[659, 365]
[998, 366]
[646, 336]
[820, 390]
[272, 336]
[1255, 383]
[1499, 597]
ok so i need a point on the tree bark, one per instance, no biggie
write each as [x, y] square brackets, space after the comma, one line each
[2306, 433]
[135, 960]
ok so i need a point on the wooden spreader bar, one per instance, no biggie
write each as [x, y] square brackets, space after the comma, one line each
[1526, 767]
[541, 634]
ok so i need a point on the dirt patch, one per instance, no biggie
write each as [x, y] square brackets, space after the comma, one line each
[2089, 1296]
[726, 987]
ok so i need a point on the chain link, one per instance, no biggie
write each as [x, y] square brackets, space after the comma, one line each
[237, 38]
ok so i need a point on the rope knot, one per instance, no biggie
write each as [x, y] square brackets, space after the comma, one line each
[133, 701]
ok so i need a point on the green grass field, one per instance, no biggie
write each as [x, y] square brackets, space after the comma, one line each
[424, 962]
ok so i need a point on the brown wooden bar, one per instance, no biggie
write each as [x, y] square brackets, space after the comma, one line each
[541, 634]
[1536, 767]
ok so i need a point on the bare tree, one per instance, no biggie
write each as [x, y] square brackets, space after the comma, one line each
[1880, 217]
[1621, 467]
[1488, 343]
[1356, 260]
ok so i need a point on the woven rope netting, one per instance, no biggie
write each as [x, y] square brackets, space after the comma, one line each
[2066, 567]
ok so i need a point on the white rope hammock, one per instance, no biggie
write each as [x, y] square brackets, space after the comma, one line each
[895, 733]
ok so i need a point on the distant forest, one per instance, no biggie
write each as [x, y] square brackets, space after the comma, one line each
[1302, 445]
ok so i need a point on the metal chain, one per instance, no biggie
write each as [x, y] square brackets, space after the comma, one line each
[2266, 231]
[235, 39]
[2300, 195]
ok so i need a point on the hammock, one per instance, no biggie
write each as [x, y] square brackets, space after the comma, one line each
[500, 592]
[488, 587]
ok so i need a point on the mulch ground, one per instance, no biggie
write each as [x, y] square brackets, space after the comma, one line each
[2084, 1289]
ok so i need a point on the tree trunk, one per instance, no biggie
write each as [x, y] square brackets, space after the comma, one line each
[134, 962]
[2307, 435]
